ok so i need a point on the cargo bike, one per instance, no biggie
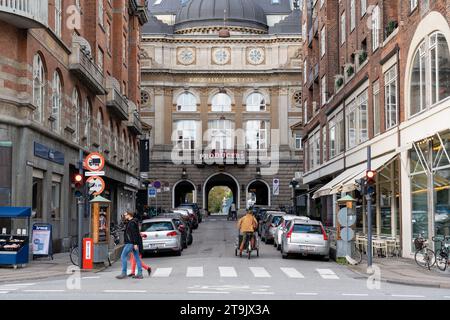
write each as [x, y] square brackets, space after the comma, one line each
[247, 246]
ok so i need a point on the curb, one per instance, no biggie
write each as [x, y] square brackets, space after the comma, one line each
[402, 282]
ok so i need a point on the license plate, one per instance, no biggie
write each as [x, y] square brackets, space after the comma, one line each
[307, 248]
[155, 245]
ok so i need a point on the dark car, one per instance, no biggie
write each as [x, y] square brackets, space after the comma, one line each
[186, 232]
[194, 207]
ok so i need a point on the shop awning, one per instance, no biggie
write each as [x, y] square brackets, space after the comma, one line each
[345, 182]
[12, 212]
[377, 164]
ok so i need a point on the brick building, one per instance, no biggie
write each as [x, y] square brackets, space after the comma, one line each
[69, 81]
[377, 73]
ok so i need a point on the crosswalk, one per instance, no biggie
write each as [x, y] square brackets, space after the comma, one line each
[232, 272]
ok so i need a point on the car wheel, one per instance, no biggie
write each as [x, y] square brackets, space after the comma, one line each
[178, 252]
[190, 239]
[326, 258]
[279, 247]
[284, 255]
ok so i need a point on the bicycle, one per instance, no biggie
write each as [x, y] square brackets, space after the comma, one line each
[424, 256]
[442, 253]
[247, 246]
[356, 254]
[74, 252]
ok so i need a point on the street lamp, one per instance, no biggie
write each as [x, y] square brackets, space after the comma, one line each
[183, 173]
[293, 184]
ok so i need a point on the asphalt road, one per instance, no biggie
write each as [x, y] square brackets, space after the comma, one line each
[209, 270]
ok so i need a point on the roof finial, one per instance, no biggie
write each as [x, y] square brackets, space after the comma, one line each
[224, 32]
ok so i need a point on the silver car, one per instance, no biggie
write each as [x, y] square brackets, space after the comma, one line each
[307, 237]
[161, 234]
[270, 225]
[281, 228]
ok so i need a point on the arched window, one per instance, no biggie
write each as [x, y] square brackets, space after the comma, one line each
[38, 87]
[256, 102]
[186, 102]
[56, 102]
[100, 127]
[87, 122]
[221, 102]
[430, 74]
[76, 112]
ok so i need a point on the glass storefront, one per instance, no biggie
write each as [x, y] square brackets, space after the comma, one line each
[430, 186]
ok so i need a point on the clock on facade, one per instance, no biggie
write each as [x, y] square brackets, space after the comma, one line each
[256, 55]
[186, 56]
[221, 55]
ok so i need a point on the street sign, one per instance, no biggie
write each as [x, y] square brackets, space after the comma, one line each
[151, 192]
[347, 234]
[94, 173]
[157, 184]
[94, 162]
[276, 187]
[345, 218]
[96, 185]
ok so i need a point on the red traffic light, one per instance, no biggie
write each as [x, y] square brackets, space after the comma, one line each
[370, 176]
[78, 180]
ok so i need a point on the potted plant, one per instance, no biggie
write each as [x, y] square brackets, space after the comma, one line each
[362, 57]
[391, 26]
[350, 71]
[339, 82]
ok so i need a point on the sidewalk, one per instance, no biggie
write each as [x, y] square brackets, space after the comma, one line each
[405, 271]
[40, 269]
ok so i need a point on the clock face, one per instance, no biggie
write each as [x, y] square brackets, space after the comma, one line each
[221, 56]
[256, 56]
[186, 56]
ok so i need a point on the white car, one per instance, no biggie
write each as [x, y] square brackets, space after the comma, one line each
[281, 228]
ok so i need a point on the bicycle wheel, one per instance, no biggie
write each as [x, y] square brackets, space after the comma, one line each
[356, 254]
[442, 260]
[425, 258]
[74, 256]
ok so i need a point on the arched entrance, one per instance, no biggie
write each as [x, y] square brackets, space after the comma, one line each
[184, 192]
[258, 193]
[221, 180]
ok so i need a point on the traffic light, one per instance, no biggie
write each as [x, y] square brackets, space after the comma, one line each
[370, 180]
[78, 181]
[360, 185]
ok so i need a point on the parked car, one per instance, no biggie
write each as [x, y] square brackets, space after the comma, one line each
[270, 225]
[281, 228]
[161, 234]
[186, 217]
[260, 217]
[307, 237]
[196, 209]
[181, 225]
[193, 216]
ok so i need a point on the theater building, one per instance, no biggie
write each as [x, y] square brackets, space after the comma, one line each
[221, 91]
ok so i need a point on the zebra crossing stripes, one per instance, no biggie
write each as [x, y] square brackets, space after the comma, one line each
[162, 273]
[327, 274]
[227, 272]
[259, 272]
[194, 272]
[292, 273]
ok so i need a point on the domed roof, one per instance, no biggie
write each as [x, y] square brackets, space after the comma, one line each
[198, 14]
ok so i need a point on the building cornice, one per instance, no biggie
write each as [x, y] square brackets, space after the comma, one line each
[214, 39]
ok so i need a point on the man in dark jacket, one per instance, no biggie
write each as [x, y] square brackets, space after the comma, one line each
[133, 243]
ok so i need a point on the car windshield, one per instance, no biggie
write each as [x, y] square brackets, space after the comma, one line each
[156, 226]
[307, 228]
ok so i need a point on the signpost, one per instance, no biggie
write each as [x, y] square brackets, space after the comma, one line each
[94, 162]
[276, 187]
[96, 185]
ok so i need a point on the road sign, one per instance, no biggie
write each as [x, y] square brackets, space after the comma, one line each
[345, 218]
[94, 173]
[276, 187]
[157, 184]
[151, 192]
[96, 185]
[94, 162]
[347, 234]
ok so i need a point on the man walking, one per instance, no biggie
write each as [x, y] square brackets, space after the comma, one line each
[133, 244]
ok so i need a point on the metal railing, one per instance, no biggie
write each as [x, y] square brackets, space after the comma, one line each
[36, 10]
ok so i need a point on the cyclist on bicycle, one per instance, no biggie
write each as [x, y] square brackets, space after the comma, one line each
[247, 226]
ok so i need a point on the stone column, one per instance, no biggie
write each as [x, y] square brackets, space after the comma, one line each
[238, 96]
[204, 111]
[168, 97]
[159, 117]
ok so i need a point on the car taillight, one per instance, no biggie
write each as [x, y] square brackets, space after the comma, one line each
[325, 236]
[289, 234]
[172, 234]
[144, 236]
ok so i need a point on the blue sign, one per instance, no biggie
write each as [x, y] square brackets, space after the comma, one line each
[151, 192]
[46, 153]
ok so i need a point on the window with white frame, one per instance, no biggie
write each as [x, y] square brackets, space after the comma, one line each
[357, 121]
[324, 90]
[257, 134]
[221, 102]
[87, 116]
[343, 28]
[391, 100]
[363, 7]
[322, 42]
[256, 102]
[100, 58]
[186, 134]
[56, 102]
[305, 111]
[376, 108]
[316, 149]
[221, 134]
[311, 153]
[305, 71]
[39, 86]
[58, 17]
[187, 102]
[430, 74]
[324, 144]
[101, 12]
[297, 140]
[352, 15]
[100, 127]
[336, 135]
[76, 111]
[375, 28]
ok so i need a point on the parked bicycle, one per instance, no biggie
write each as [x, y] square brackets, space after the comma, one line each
[74, 252]
[424, 256]
[442, 253]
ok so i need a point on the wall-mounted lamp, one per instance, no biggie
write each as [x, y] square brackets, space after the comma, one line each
[258, 171]
[183, 173]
